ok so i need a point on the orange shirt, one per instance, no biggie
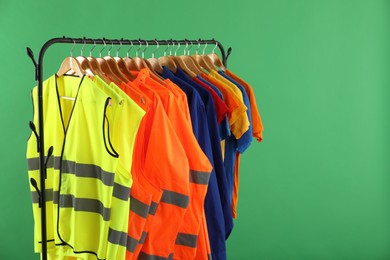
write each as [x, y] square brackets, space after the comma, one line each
[200, 167]
[237, 109]
[242, 124]
[182, 96]
[166, 164]
[161, 158]
[257, 132]
[144, 196]
[257, 125]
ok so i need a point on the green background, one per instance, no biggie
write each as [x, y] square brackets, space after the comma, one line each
[317, 187]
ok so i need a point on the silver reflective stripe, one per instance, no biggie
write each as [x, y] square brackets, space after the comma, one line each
[153, 208]
[186, 240]
[199, 177]
[143, 237]
[209, 257]
[87, 171]
[131, 244]
[35, 197]
[121, 192]
[86, 205]
[138, 207]
[56, 197]
[33, 163]
[170, 257]
[175, 198]
[144, 256]
[117, 237]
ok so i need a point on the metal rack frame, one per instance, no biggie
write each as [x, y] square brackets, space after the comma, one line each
[39, 78]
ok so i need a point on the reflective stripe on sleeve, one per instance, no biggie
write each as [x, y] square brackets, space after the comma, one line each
[174, 198]
[138, 207]
[186, 240]
[199, 177]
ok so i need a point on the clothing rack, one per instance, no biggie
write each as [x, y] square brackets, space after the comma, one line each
[39, 78]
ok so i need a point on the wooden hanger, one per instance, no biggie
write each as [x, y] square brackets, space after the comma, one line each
[205, 63]
[105, 68]
[154, 75]
[112, 63]
[123, 68]
[122, 65]
[71, 65]
[217, 61]
[84, 62]
[167, 62]
[142, 64]
[94, 65]
[137, 62]
[155, 67]
[180, 63]
[114, 66]
[199, 59]
[189, 62]
[153, 63]
[129, 62]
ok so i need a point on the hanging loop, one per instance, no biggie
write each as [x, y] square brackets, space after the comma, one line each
[71, 50]
[104, 42]
[178, 47]
[188, 51]
[166, 49]
[185, 49]
[140, 45]
[109, 50]
[204, 48]
[216, 45]
[131, 47]
[82, 48]
[157, 46]
[144, 50]
[173, 45]
[94, 46]
[120, 47]
[196, 52]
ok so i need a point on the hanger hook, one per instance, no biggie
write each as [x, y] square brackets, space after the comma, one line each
[173, 45]
[100, 53]
[188, 51]
[140, 45]
[198, 41]
[216, 45]
[131, 47]
[71, 50]
[165, 51]
[158, 46]
[204, 48]
[120, 47]
[82, 48]
[94, 46]
[178, 47]
[185, 49]
[109, 50]
[144, 50]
